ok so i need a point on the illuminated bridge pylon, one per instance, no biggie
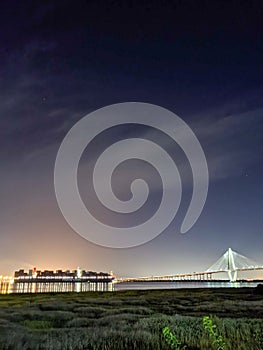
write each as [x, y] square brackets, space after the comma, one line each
[232, 262]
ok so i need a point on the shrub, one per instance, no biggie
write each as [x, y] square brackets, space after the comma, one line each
[211, 328]
[259, 289]
[171, 339]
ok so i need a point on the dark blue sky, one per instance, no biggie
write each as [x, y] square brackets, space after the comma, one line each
[62, 60]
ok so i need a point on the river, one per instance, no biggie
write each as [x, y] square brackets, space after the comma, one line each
[11, 287]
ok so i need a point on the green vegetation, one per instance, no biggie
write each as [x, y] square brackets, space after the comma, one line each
[171, 339]
[132, 320]
[211, 328]
[37, 324]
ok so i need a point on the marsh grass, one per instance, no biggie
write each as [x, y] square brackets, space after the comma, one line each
[36, 324]
[130, 320]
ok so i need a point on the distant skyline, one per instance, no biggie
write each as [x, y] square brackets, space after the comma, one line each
[62, 60]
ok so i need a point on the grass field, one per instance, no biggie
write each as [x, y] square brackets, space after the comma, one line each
[131, 319]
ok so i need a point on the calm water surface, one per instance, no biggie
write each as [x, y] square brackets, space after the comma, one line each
[177, 285]
[9, 287]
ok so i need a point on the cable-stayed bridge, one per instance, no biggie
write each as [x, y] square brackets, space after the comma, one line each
[233, 262]
[230, 262]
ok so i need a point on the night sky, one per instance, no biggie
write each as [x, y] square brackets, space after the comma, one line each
[60, 60]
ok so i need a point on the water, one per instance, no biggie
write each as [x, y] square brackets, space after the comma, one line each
[183, 284]
[58, 287]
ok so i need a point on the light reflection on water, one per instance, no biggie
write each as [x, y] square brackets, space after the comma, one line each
[60, 287]
[183, 284]
[56, 287]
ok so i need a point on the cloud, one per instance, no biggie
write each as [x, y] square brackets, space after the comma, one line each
[231, 142]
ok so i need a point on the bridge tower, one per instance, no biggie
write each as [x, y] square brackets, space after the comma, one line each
[231, 262]
[231, 267]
